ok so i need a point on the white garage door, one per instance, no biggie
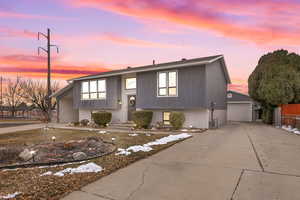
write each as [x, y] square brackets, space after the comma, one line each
[239, 112]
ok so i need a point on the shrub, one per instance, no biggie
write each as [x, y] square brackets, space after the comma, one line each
[102, 118]
[84, 122]
[142, 118]
[177, 120]
[76, 123]
[160, 125]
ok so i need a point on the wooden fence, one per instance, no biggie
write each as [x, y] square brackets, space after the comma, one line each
[290, 115]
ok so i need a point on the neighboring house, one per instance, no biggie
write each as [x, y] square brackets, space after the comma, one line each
[240, 107]
[189, 86]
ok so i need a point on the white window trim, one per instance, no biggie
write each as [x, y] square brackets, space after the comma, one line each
[89, 92]
[167, 86]
[126, 84]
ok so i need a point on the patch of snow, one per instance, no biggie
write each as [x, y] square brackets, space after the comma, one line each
[138, 148]
[113, 139]
[47, 173]
[147, 147]
[87, 168]
[103, 132]
[10, 196]
[290, 129]
[287, 128]
[170, 138]
[133, 134]
[123, 152]
[184, 130]
[297, 132]
[148, 134]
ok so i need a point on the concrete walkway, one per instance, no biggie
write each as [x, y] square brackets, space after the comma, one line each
[21, 128]
[239, 161]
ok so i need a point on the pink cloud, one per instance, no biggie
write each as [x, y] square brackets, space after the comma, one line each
[34, 66]
[262, 29]
[10, 32]
[5, 14]
[118, 39]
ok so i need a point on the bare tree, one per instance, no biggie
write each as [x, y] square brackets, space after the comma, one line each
[13, 94]
[35, 92]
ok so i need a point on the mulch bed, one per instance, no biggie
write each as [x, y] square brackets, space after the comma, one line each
[54, 152]
[33, 186]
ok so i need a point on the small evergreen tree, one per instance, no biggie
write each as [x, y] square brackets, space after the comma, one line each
[275, 81]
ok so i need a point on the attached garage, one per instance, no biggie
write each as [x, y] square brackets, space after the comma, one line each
[241, 107]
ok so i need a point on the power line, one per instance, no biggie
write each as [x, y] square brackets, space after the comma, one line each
[48, 51]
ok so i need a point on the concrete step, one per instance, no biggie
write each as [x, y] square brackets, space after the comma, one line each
[127, 125]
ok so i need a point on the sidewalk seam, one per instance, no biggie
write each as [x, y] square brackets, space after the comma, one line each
[237, 184]
[255, 152]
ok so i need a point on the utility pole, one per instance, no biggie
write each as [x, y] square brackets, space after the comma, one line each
[48, 51]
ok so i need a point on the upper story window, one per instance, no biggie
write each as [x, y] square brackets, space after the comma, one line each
[94, 89]
[130, 83]
[167, 84]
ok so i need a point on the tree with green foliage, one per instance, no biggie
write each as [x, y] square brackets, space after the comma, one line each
[275, 81]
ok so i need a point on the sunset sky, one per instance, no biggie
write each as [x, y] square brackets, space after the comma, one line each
[98, 35]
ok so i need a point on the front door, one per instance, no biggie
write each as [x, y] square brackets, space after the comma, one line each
[131, 106]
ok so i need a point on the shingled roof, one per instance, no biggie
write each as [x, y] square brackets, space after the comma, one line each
[176, 64]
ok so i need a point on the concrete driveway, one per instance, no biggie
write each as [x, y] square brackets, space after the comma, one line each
[237, 162]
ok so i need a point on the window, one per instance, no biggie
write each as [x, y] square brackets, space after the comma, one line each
[130, 83]
[95, 89]
[101, 89]
[166, 118]
[167, 83]
[85, 90]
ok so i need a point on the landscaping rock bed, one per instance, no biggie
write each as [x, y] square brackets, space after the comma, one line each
[55, 152]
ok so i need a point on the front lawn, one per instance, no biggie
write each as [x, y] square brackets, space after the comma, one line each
[31, 185]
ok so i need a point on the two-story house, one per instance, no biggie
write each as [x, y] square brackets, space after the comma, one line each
[191, 86]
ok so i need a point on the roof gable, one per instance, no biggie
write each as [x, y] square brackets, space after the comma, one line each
[236, 96]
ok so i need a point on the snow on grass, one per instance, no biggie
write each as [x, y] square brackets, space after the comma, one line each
[87, 168]
[170, 138]
[10, 196]
[287, 128]
[290, 129]
[103, 132]
[147, 147]
[133, 134]
[46, 173]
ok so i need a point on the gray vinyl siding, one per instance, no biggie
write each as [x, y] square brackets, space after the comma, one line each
[113, 94]
[216, 87]
[191, 90]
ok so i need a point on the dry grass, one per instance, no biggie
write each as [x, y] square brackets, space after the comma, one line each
[33, 186]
